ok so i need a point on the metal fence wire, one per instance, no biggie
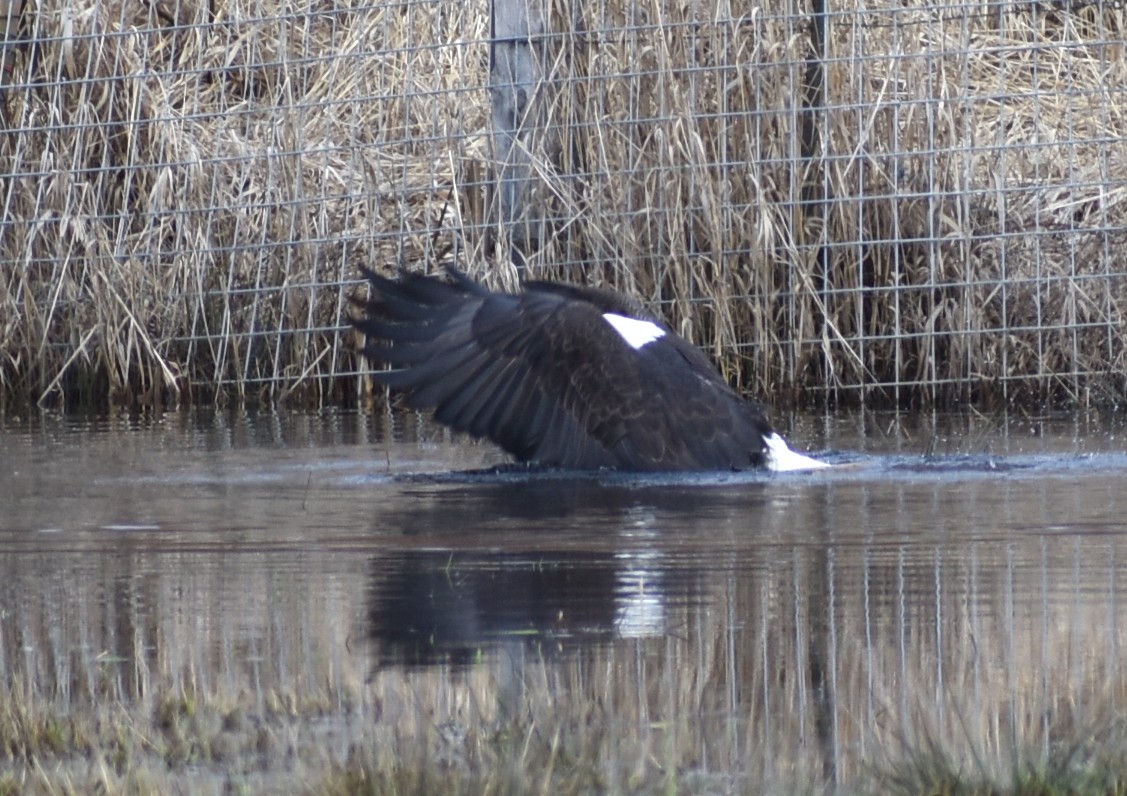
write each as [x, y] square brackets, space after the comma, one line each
[842, 202]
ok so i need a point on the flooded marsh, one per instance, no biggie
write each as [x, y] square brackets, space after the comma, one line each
[346, 603]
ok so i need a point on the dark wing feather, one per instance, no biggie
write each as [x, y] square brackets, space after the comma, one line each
[470, 355]
[604, 299]
[542, 374]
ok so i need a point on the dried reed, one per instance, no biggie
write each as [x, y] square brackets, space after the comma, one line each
[189, 187]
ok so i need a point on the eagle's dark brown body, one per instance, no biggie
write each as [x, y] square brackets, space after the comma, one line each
[559, 375]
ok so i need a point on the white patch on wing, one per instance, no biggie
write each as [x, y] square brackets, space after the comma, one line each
[781, 458]
[636, 333]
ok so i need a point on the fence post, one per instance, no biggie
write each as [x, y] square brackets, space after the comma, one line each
[516, 28]
[10, 11]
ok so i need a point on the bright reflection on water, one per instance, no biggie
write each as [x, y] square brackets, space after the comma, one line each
[779, 629]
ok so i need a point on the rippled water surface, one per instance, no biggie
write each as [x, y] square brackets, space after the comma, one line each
[958, 579]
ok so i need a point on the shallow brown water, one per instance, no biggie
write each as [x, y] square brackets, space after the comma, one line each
[955, 579]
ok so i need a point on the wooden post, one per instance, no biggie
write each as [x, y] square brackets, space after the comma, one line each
[515, 58]
[10, 11]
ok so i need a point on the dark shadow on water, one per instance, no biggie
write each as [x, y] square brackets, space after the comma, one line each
[485, 503]
[433, 607]
[845, 466]
[517, 583]
[429, 607]
[553, 561]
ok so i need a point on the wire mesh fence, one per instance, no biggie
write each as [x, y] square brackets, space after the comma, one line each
[849, 202]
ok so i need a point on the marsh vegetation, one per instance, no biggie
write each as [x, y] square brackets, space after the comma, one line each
[925, 206]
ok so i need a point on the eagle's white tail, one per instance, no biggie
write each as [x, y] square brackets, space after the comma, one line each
[781, 458]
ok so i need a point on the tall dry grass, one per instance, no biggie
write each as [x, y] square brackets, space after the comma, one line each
[189, 187]
[952, 238]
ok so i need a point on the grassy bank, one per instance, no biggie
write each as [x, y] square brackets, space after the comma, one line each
[189, 744]
[188, 188]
